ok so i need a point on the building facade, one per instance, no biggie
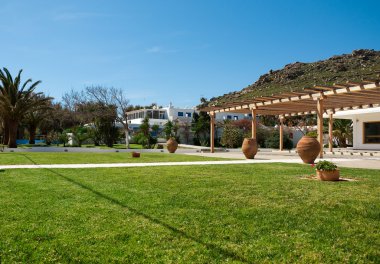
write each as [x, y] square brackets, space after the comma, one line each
[160, 116]
[184, 116]
[365, 125]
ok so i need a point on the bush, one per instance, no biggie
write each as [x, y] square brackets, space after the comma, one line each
[313, 134]
[273, 141]
[326, 165]
[146, 141]
[232, 136]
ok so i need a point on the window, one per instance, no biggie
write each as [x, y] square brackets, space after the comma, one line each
[156, 114]
[162, 115]
[188, 114]
[229, 117]
[180, 113]
[371, 133]
[236, 118]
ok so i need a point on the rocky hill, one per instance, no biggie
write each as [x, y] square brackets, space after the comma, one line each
[360, 64]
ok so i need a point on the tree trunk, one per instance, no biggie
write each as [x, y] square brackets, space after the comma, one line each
[126, 137]
[32, 134]
[6, 132]
[12, 125]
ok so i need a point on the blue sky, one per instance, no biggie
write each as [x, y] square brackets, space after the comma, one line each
[178, 51]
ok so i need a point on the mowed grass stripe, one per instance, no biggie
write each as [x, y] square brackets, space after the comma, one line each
[20, 158]
[206, 214]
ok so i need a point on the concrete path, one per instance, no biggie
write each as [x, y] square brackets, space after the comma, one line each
[285, 156]
[153, 164]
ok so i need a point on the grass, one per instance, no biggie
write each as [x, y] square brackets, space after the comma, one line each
[122, 146]
[8, 158]
[258, 213]
[115, 146]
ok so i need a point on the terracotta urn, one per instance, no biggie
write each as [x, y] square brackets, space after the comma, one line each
[249, 148]
[308, 149]
[135, 154]
[171, 145]
[325, 175]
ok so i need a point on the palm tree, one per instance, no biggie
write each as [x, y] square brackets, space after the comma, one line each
[342, 131]
[36, 116]
[16, 100]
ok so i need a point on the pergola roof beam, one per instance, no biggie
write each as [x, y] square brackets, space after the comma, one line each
[342, 95]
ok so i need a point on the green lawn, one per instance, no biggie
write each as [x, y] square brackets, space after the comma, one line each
[8, 158]
[253, 213]
[115, 146]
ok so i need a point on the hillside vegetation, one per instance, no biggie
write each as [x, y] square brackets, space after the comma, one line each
[360, 64]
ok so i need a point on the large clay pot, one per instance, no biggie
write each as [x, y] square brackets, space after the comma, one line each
[328, 175]
[308, 149]
[172, 145]
[249, 148]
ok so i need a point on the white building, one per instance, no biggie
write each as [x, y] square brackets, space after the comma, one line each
[366, 127]
[160, 116]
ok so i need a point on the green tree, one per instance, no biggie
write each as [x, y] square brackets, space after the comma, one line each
[273, 140]
[144, 136]
[200, 125]
[168, 129]
[171, 130]
[36, 116]
[80, 134]
[63, 138]
[232, 136]
[342, 131]
[16, 100]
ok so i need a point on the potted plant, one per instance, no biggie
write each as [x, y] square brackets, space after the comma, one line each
[327, 171]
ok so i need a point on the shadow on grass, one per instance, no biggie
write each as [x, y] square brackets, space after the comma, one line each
[216, 249]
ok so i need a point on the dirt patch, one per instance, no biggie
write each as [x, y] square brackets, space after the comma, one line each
[314, 178]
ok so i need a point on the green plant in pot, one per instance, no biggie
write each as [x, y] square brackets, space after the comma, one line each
[327, 171]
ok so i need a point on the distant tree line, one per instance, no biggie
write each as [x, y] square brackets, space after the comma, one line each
[98, 114]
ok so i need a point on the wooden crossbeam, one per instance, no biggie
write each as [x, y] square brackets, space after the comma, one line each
[355, 83]
[341, 85]
[337, 93]
[325, 88]
[371, 81]
[313, 90]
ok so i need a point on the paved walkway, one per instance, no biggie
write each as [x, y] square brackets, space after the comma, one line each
[152, 164]
[285, 156]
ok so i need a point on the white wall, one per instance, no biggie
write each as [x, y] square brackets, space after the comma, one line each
[173, 114]
[358, 131]
[223, 116]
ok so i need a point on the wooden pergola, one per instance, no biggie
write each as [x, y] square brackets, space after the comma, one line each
[317, 100]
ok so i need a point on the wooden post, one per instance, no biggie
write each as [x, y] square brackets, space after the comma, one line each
[320, 124]
[212, 132]
[254, 124]
[331, 122]
[281, 133]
